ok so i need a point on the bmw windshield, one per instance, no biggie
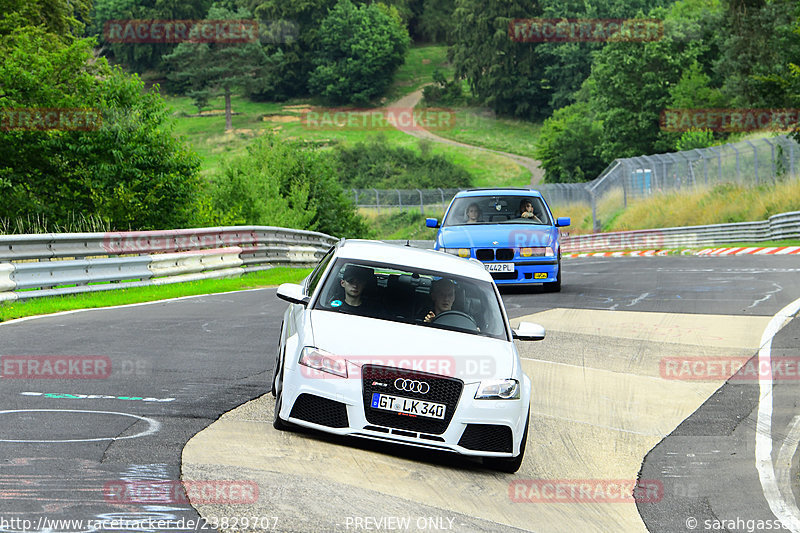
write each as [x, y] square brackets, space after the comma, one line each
[522, 209]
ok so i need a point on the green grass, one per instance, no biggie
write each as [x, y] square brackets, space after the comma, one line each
[479, 127]
[42, 306]
[721, 204]
[421, 62]
[206, 134]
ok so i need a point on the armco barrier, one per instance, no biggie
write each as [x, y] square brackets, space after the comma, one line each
[777, 227]
[53, 264]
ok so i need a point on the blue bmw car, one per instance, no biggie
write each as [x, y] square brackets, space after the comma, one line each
[511, 231]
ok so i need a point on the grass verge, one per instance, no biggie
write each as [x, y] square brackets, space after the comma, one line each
[43, 306]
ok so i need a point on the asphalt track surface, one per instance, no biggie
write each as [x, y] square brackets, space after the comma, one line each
[606, 409]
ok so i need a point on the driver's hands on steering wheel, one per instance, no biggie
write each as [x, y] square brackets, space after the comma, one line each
[430, 316]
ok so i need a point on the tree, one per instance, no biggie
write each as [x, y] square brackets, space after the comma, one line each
[506, 75]
[753, 60]
[281, 183]
[141, 56]
[290, 54]
[212, 68]
[64, 18]
[569, 144]
[129, 170]
[359, 50]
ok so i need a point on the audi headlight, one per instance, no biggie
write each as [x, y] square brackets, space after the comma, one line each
[501, 389]
[460, 252]
[323, 361]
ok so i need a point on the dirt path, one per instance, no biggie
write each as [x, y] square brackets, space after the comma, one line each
[411, 100]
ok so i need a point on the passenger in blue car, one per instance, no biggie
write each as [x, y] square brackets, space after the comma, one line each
[473, 213]
[526, 211]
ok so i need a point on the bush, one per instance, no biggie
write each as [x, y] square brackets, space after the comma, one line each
[377, 164]
[569, 145]
[129, 171]
[280, 183]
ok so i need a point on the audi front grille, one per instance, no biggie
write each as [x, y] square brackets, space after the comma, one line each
[443, 389]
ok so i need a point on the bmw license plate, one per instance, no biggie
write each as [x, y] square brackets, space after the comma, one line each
[499, 267]
[408, 406]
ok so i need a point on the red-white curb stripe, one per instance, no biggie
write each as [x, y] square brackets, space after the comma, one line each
[774, 250]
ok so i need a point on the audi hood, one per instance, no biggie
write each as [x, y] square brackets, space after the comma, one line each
[362, 340]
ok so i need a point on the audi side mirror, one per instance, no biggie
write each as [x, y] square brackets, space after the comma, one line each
[292, 293]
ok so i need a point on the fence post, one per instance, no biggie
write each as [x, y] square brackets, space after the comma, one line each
[755, 160]
[377, 200]
[421, 203]
[772, 156]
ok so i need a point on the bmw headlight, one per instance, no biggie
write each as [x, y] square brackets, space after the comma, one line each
[460, 252]
[323, 361]
[501, 389]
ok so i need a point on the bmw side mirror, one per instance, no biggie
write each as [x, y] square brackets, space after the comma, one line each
[528, 331]
[432, 222]
[563, 222]
[292, 293]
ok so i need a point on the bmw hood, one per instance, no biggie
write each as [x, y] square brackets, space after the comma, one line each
[362, 340]
[496, 236]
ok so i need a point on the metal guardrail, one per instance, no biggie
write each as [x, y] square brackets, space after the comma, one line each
[51, 264]
[777, 227]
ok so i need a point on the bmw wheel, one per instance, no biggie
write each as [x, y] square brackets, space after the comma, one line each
[555, 286]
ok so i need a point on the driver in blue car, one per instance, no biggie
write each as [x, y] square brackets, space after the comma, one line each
[443, 294]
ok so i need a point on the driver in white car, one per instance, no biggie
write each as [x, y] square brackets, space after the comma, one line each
[443, 294]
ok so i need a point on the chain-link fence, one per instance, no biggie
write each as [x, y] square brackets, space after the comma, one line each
[748, 163]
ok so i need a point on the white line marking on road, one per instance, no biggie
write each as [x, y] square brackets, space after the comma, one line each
[638, 299]
[785, 511]
[767, 297]
[784, 460]
[153, 425]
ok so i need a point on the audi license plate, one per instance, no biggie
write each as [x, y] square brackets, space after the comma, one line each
[408, 406]
[499, 267]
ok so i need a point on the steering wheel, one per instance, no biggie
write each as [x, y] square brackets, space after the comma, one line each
[456, 319]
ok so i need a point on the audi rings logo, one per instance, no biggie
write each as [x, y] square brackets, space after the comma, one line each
[410, 385]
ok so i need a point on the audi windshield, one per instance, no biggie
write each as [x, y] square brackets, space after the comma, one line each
[420, 297]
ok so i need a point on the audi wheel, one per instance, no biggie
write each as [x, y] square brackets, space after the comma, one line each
[509, 464]
[277, 422]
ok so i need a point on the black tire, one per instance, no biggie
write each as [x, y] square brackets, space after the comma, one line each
[277, 422]
[273, 390]
[554, 286]
[509, 465]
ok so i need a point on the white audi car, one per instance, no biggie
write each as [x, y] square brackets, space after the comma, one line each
[404, 345]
